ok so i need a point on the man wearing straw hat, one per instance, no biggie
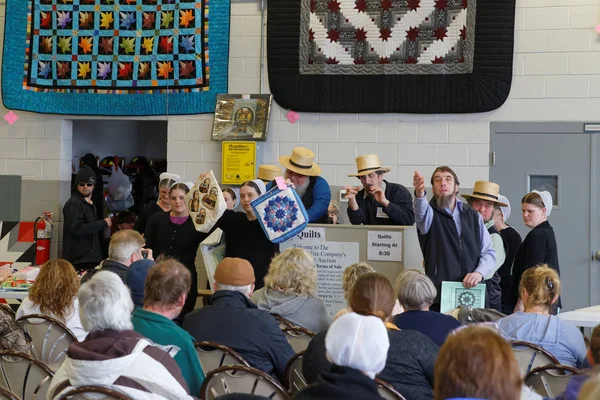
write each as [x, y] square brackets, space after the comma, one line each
[303, 172]
[379, 202]
[484, 199]
[267, 173]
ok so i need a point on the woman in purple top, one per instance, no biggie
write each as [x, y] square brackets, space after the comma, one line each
[416, 293]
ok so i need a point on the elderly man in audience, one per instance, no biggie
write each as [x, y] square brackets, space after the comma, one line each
[231, 319]
[379, 202]
[416, 293]
[124, 249]
[455, 243]
[166, 288]
[113, 355]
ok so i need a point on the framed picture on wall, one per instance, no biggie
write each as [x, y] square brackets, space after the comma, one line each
[242, 117]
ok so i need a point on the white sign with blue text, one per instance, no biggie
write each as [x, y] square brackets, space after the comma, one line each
[384, 246]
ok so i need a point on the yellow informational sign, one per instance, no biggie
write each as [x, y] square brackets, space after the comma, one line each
[238, 162]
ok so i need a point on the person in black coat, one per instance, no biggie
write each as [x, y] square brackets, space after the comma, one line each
[82, 227]
[379, 202]
[174, 235]
[539, 246]
[162, 205]
[358, 346]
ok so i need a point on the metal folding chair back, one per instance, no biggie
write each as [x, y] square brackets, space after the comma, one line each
[79, 393]
[214, 355]
[550, 380]
[298, 337]
[295, 381]
[50, 338]
[24, 375]
[7, 395]
[387, 391]
[530, 356]
[283, 323]
[241, 379]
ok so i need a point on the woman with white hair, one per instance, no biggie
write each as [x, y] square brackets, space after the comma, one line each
[291, 291]
[357, 345]
[416, 293]
[113, 355]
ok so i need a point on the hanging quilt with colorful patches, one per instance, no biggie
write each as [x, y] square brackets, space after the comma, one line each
[390, 56]
[115, 57]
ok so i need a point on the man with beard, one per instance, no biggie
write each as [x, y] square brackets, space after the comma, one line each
[483, 200]
[379, 202]
[455, 244]
[303, 173]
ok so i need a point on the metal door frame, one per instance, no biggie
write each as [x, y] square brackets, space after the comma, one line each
[497, 128]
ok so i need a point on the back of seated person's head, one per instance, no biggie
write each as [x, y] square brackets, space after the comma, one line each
[294, 272]
[125, 219]
[105, 303]
[166, 287]
[476, 362]
[373, 294]
[352, 273]
[540, 287]
[235, 274]
[416, 291]
[358, 341]
[595, 346]
[56, 273]
[125, 246]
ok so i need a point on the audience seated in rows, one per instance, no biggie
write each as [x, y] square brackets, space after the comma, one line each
[411, 356]
[113, 354]
[291, 291]
[539, 290]
[166, 289]
[476, 363]
[54, 293]
[416, 293]
[231, 319]
[357, 346]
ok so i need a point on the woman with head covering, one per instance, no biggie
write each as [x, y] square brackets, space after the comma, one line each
[174, 235]
[162, 205]
[539, 291]
[512, 241]
[230, 198]
[357, 346]
[539, 246]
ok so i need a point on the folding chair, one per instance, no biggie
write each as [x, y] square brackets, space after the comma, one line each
[530, 356]
[298, 337]
[387, 391]
[283, 323]
[24, 375]
[7, 395]
[50, 338]
[295, 381]
[550, 380]
[214, 355]
[78, 393]
[241, 379]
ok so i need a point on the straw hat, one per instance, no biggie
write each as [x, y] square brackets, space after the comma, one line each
[485, 190]
[302, 161]
[367, 164]
[268, 172]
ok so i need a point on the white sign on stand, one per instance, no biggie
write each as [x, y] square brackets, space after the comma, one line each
[331, 259]
[384, 246]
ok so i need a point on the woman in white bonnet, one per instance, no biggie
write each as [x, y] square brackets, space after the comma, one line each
[512, 241]
[539, 246]
[357, 346]
[162, 205]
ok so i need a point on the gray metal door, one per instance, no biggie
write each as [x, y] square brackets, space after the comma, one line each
[10, 198]
[558, 158]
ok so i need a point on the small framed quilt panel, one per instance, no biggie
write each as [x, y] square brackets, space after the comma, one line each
[115, 57]
[390, 56]
[280, 213]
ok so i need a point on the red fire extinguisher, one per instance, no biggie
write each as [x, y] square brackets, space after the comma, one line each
[42, 233]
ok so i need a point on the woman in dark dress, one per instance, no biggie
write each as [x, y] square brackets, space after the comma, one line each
[162, 205]
[245, 238]
[539, 246]
[173, 234]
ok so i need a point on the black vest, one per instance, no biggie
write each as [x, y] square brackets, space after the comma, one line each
[307, 200]
[447, 256]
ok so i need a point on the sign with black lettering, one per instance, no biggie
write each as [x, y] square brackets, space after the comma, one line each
[311, 233]
[384, 246]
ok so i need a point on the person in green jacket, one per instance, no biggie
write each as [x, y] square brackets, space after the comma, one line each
[165, 291]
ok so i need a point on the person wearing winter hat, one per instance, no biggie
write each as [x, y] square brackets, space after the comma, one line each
[162, 205]
[512, 241]
[81, 232]
[357, 346]
[231, 319]
[539, 246]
